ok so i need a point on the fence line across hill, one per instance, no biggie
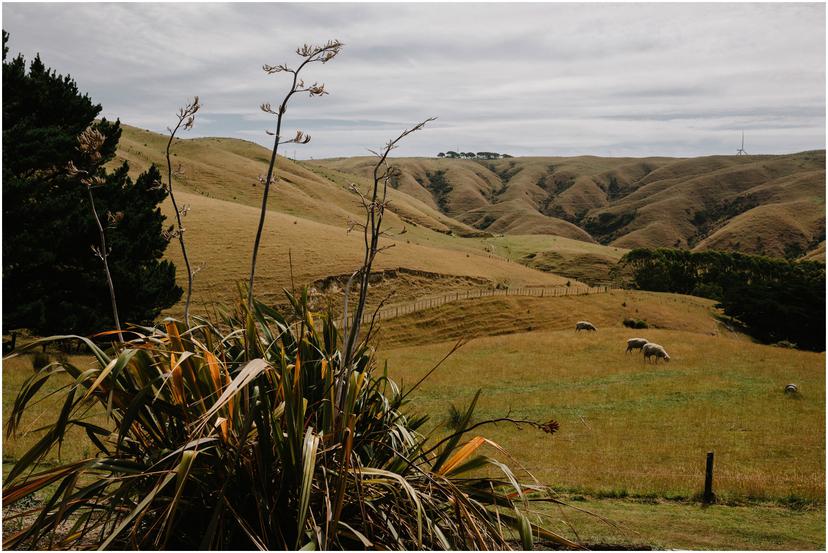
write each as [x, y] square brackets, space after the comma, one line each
[393, 311]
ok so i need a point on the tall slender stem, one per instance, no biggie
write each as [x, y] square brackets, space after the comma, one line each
[263, 212]
[372, 230]
[180, 228]
[310, 54]
[104, 255]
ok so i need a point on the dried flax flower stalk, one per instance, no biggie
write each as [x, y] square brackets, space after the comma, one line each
[186, 118]
[90, 143]
[309, 54]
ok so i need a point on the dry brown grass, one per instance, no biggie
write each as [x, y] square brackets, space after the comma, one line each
[755, 204]
[509, 315]
[220, 239]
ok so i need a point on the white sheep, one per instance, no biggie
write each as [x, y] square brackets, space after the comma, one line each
[654, 350]
[584, 325]
[636, 343]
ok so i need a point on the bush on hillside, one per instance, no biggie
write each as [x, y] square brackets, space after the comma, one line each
[635, 323]
[776, 299]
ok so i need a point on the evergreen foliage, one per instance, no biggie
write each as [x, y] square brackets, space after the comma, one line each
[52, 281]
[775, 299]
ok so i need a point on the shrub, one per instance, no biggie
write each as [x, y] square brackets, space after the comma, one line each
[635, 323]
[208, 450]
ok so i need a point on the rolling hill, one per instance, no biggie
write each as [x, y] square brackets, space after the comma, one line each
[770, 205]
[306, 238]
[511, 222]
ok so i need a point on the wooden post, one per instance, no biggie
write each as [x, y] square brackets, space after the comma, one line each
[709, 497]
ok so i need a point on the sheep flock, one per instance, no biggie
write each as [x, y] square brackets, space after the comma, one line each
[649, 349]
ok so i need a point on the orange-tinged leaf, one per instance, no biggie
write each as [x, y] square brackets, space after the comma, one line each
[298, 369]
[31, 486]
[176, 381]
[215, 370]
[175, 337]
[461, 455]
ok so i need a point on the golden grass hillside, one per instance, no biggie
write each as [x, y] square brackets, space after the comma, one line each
[309, 210]
[474, 318]
[229, 169]
[220, 239]
[627, 428]
[490, 212]
[742, 203]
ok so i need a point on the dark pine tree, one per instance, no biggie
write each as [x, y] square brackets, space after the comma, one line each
[52, 281]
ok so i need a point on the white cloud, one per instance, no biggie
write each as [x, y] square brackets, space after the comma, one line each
[528, 79]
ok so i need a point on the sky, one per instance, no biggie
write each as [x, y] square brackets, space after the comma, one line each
[523, 79]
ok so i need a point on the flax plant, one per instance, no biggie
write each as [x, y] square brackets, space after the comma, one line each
[205, 449]
[309, 54]
[186, 118]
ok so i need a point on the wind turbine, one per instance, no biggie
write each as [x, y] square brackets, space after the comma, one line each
[741, 151]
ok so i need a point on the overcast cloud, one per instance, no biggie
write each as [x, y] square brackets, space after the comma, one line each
[526, 79]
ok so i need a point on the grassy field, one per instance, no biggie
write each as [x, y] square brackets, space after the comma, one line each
[633, 437]
[628, 428]
[675, 525]
[513, 315]
[15, 372]
[308, 216]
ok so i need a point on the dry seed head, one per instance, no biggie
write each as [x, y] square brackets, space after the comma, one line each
[323, 53]
[73, 170]
[114, 218]
[169, 233]
[550, 427]
[317, 89]
[90, 142]
[271, 69]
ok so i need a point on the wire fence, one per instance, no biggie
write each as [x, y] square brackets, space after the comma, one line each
[421, 304]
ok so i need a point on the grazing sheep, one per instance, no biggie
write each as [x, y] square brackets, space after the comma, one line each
[791, 389]
[636, 343]
[584, 325]
[654, 350]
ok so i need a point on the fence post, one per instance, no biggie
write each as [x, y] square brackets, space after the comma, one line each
[709, 497]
